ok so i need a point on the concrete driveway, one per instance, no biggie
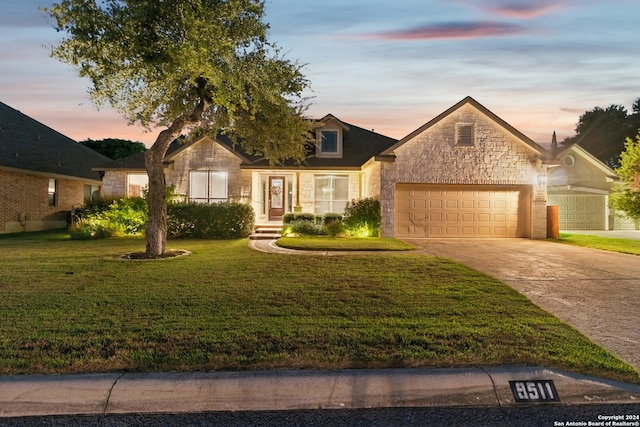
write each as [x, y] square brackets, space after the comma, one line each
[597, 292]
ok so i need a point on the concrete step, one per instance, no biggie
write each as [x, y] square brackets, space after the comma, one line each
[266, 233]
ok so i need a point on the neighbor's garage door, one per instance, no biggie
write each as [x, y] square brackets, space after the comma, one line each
[426, 210]
[580, 211]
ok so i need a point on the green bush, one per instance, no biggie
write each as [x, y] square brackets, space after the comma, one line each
[304, 216]
[287, 218]
[331, 217]
[229, 220]
[363, 217]
[333, 228]
[101, 218]
[302, 227]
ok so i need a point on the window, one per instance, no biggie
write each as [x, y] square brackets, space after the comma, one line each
[53, 200]
[91, 192]
[137, 184]
[464, 134]
[330, 144]
[208, 186]
[331, 193]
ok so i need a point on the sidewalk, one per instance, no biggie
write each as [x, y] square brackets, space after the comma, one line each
[293, 390]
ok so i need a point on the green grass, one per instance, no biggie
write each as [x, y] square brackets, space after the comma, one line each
[326, 243]
[69, 307]
[626, 246]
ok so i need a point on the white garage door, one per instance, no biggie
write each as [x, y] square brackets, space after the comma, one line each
[580, 211]
[426, 210]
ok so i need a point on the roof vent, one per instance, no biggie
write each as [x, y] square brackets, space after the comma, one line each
[568, 161]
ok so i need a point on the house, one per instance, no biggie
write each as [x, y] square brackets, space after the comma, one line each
[211, 170]
[465, 173]
[43, 174]
[580, 186]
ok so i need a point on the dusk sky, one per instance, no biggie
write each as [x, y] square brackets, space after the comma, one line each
[390, 66]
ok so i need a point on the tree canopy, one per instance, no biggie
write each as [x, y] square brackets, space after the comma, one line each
[186, 64]
[114, 148]
[627, 199]
[603, 131]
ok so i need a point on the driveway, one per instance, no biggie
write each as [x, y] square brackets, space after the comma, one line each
[597, 292]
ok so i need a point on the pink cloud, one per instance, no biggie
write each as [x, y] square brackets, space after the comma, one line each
[454, 30]
[519, 9]
[524, 11]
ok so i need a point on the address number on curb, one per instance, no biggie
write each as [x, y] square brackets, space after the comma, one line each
[534, 391]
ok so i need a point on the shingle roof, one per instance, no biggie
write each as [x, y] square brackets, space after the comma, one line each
[31, 146]
[359, 145]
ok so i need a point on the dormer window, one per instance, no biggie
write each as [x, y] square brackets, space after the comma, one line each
[329, 143]
[464, 134]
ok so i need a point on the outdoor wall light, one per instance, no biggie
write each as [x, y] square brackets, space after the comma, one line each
[542, 179]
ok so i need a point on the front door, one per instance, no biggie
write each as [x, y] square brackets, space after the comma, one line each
[276, 198]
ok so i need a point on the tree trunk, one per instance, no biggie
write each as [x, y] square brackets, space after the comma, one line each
[154, 162]
[156, 199]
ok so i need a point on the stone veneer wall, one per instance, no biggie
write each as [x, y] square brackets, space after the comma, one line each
[204, 155]
[496, 158]
[114, 184]
[209, 155]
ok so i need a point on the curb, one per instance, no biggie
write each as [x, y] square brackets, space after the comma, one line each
[176, 392]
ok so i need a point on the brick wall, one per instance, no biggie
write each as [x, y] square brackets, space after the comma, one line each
[24, 202]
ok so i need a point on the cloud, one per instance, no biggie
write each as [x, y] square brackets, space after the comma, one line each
[516, 8]
[452, 30]
[524, 11]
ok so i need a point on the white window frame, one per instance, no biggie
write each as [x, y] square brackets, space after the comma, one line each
[329, 154]
[52, 192]
[331, 200]
[214, 192]
[140, 179]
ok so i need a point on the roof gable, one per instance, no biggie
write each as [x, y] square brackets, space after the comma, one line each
[26, 144]
[475, 104]
[575, 149]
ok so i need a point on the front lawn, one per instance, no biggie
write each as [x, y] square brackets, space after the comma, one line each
[69, 307]
[626, 246]
[327, 243]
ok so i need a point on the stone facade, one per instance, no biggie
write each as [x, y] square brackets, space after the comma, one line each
[497, 157]
[24, 204]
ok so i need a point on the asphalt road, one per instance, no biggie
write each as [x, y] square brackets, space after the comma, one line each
[544, 415]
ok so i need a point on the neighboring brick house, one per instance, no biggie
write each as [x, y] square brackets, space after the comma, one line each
[43, 174]
[466, 173]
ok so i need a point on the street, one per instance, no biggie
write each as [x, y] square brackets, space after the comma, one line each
[542, 415]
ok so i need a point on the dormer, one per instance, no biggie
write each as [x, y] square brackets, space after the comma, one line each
[330, 137]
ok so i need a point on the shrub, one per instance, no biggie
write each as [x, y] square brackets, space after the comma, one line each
[334, 228]
[94, 227]
[228, 220]
[331, 217]
[302, 227]
[101, 218]
[304, 216]
[363, 217]
[287, 218]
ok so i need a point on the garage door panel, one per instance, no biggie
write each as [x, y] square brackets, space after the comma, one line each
[580, 211]
[463, 212]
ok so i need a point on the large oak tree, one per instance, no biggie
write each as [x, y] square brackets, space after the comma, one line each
[184, 65]
[603, 131]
